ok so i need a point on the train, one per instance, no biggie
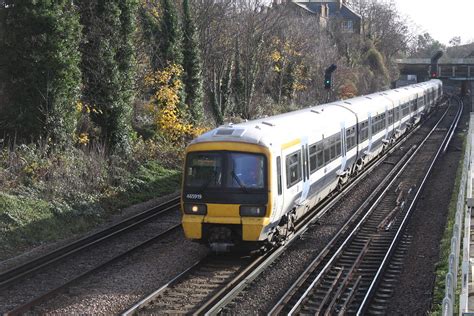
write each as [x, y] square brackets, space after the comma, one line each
[247, 185]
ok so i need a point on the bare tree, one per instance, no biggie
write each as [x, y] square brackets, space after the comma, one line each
[384, 26]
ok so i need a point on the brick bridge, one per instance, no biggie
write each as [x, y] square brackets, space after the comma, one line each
[458, 72]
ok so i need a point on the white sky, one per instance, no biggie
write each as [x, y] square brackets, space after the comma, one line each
[442, 19]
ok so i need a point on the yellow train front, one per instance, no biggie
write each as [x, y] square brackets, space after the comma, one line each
[225, 193]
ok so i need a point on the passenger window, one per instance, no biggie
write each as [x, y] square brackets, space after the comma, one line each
[319, 155]
[338, 145]
[312, 158]
[327, 151]
[333, 151]
[293, 168]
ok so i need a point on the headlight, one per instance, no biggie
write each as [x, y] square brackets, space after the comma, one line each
[195, 209]
[254, 211]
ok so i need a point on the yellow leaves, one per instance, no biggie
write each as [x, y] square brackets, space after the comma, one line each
[167, 85]
[82, 107]
[31, 169]
[84, 110]
[167, 76]
[152, 7]
[83, 139]
[276, 56]
[298, 86]
[79, 106]
[199, 130]
[284, 51]
[299, 78]
[172, 126]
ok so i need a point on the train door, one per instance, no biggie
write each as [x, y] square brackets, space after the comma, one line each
[399, 114]
[417, 105]
[369, 149]
[278, 200]
[343, 147]
[293, 181]
[425, 100]
[386, 123]
[306, 173]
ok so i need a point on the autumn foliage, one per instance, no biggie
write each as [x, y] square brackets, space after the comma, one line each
[171, 121]
[348, 90]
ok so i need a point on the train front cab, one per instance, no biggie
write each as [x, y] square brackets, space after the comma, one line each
[226, 193]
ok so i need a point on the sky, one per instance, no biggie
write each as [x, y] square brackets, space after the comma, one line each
[442, 19]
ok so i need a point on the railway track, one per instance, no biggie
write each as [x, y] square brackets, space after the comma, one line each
[50, 260]
[348, 276]
[220, 282]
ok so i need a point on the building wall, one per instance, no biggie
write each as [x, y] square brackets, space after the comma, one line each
[324, 10]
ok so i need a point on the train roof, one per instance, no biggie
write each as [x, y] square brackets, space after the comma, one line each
[275, 130]
[282, 128]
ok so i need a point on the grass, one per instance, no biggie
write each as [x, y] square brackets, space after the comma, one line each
[151, 181]
[27, 220]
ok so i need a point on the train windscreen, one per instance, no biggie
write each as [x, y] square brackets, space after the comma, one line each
[225, 170]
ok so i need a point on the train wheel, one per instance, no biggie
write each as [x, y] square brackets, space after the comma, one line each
[355, 172]
[284, 230]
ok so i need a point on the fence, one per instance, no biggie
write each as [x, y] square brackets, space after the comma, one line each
[462, 217]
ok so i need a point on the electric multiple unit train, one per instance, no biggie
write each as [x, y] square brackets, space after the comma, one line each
[250, 183]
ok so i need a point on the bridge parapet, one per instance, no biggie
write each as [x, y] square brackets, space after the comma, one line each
[442, 61]
[458, 69]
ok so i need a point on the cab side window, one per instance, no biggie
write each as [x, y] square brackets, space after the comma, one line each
[293, 168]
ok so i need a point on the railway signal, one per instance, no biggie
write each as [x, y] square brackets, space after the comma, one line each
[328, 76]
[434, 63]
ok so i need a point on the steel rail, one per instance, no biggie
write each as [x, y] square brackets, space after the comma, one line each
[446, 141]
[213, 308]
[454, 126]
[29, 267]
[375, 193]
[150, 297]
[362, 221]
[248, 269]
[340, 233]
[227, 293]
[40, 299]
[258, 265]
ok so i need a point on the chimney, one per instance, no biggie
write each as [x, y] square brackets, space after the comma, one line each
[340, 3]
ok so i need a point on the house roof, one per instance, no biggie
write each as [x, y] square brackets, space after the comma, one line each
[315, 7]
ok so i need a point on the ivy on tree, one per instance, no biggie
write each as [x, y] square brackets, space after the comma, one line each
[41, 71]
[192, 66]
[108, 66]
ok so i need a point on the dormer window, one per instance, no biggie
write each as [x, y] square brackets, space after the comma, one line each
[348, 26]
